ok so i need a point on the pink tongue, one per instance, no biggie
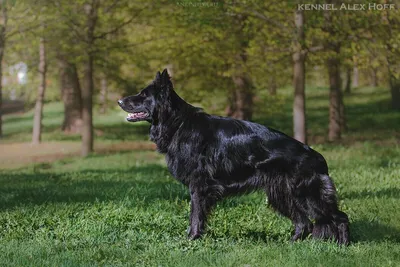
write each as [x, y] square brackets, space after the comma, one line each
[136, 115]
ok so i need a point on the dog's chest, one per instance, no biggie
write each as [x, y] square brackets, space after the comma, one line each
[160, 137]
[178, 168]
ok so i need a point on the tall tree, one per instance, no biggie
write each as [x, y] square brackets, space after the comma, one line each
[356, 74]
[391, 39]
[332, 46]
[243, 88]
[3, 27]
[289, 41]
[71, 95]
[348, 80]
[89, 23]
[91, 10]
[103, 94]
[335, 94]
[299, 72]
[37, 119]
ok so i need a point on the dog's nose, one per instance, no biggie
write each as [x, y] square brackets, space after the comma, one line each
[120, 102]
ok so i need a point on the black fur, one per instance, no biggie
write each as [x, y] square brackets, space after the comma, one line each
[218, 157]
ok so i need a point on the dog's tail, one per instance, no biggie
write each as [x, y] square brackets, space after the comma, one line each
[334, 228]
[330, 222]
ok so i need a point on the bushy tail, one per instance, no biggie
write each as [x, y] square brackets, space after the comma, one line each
[330, 222]
[335, 228]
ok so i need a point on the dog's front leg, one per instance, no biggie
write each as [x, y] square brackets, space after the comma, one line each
[198, 213]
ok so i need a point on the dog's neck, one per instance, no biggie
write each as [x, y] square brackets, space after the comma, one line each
[169, 116]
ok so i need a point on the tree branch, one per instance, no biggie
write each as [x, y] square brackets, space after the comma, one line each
[110, 7]
[315, 48]
[104, 34]
[259, 15]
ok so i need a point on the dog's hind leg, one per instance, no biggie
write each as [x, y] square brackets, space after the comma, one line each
[302, 224]
[330, 222]
[282, 199]
[302, 227]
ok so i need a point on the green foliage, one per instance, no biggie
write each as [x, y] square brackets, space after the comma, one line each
[198, 42]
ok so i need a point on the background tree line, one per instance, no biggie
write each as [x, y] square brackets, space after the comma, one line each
[221, 55]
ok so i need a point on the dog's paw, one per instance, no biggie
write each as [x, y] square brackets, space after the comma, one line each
[193, 235]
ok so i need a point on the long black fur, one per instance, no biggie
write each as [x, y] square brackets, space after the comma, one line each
[218, 157]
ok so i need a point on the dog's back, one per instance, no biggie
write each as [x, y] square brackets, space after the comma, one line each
[227, 143]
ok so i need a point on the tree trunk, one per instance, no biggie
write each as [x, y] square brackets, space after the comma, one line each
[394, 80]
[374, 77]
[355, 75]
[392, 63]
[87, 90]
[343, 122]
[395, 91]
[87, 108]
[335, 96]
[231, 108]
[242, 108]
[272, 85]
[37, 120]
[299, 103]
[1, 85]
[348, 81]
[103, 95]
[243, 95]
[3, 26]
[71, 96]
[337, 119]
[243, 99]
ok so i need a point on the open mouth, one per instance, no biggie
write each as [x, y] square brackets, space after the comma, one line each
[137, 116]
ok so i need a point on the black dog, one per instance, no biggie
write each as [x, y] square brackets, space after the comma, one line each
[217, 157]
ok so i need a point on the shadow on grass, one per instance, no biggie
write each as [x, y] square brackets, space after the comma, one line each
[143, 185]
[360, 231]
[367, 231]
[383, 193]
[264, 236]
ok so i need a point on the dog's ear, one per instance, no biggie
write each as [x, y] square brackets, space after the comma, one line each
[165, 76]
[157, 80]
[163, 82]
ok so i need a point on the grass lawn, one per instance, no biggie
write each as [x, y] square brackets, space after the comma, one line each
[123, 208]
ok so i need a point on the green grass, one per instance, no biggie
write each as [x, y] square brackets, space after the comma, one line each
[125, 209]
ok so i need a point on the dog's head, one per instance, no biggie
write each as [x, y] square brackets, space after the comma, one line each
[142, 106]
